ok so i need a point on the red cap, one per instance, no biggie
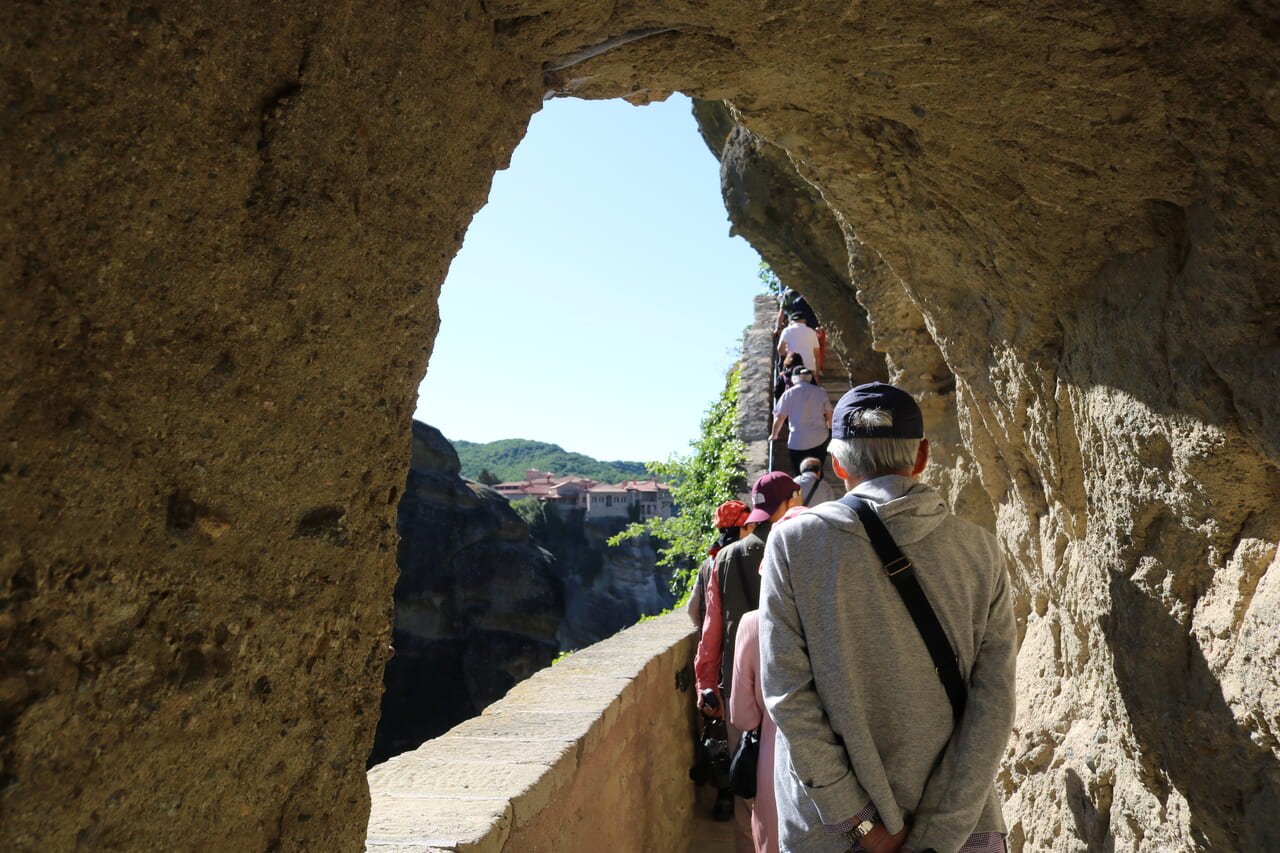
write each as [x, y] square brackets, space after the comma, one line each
[731, 514]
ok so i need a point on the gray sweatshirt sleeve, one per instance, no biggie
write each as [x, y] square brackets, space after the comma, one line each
[957, 790]
[817, 754]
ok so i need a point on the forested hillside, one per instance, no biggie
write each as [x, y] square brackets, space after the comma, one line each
[508, 459]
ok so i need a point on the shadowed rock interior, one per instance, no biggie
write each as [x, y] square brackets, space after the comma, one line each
[224, 235]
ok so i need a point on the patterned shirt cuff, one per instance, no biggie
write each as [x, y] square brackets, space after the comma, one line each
[868, 813]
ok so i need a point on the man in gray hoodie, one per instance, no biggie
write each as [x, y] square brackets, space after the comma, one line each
[870, 752]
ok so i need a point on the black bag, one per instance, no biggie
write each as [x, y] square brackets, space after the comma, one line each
[712, 767]
[742, 769]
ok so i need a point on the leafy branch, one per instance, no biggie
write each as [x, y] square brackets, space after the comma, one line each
[700, 481]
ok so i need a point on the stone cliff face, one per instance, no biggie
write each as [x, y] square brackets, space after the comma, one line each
[794, 230]
[224, 234]
[477, 607]
[480, 606]
[608, 588]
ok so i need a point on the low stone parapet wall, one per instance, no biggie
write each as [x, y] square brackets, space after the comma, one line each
[590, 754]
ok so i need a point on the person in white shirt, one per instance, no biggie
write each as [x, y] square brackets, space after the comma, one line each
[808, 409]
[798, 337]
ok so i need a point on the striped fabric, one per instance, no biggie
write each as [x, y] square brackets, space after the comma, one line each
[979, 842]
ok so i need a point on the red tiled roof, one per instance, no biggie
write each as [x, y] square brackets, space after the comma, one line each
[546, 485]
[650, 485]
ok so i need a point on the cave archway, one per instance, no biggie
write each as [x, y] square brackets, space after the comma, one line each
[224, 238]
[596, 305]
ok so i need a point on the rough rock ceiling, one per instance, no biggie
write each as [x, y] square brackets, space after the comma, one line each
[224, 233]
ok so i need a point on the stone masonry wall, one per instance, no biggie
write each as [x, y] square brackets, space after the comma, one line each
[590, 754]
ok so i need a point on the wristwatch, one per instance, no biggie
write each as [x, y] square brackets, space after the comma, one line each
[860, 832]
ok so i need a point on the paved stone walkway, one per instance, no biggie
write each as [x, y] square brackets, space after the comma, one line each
[709, 835]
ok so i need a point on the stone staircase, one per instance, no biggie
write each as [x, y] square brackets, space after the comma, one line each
[756, 394]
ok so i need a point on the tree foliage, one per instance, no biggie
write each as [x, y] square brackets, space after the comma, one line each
[507, 460]
[712, 474]
[544, 519]
[769, 278]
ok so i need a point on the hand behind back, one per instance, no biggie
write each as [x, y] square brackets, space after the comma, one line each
[878, 840]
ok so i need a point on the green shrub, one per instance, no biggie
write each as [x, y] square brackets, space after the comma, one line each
[712, 474]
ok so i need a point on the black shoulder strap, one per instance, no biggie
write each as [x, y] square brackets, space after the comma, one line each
[812, 489]
[899, 570]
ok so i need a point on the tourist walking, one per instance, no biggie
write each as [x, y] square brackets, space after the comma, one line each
[747, 712]
[733, 588]
[783, 380]
[798, 337]
[813, 484]
[808, 410]
[790, 302]
[873, 749]
[729, 520]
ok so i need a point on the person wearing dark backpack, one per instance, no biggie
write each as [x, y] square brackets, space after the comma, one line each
[888, 648]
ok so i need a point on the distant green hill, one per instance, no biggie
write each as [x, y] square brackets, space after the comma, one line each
[509, 458]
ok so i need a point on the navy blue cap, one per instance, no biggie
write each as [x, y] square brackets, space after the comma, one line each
[907, 420]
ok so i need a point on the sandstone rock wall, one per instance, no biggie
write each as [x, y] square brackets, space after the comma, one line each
[785, 218]
[224, 230]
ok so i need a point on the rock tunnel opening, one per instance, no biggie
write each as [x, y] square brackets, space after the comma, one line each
[601, 278]
[587, 324]
[216, 300]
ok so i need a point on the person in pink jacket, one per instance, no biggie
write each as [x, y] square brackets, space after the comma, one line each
[746, 711]
[733, 589]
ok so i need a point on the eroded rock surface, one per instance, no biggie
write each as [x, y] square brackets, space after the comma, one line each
[609, 588]
[804, 242]
[477, 606]
[483, 601]
[784, 217]
[224, 231]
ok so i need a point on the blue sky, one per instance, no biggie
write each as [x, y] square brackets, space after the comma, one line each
[598, 299]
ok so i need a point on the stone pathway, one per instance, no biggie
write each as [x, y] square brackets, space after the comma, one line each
[709, 835]
[757, 392]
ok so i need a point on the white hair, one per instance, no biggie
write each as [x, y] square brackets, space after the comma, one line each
[863, 458]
